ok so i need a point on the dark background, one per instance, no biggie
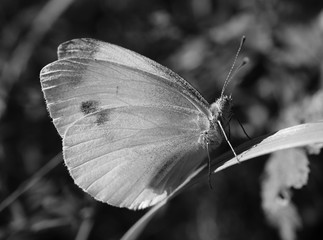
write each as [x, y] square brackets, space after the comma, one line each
[197, 39]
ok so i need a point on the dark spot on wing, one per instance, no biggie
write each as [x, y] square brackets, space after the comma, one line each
[90, 106]
[64, 50]
[78, 48]
[102, 117]
[67, 73]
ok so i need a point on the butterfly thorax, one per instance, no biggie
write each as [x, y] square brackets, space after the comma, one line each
[220, 112]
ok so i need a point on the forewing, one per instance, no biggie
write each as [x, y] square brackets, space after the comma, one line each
[133, 156]
[91, 75]
[94, 49]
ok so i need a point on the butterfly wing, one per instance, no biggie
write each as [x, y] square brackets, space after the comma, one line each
[133, 156]
[131, 127]
[103, 75]
[94, 49]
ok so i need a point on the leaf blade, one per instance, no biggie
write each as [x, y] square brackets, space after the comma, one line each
[296, 136]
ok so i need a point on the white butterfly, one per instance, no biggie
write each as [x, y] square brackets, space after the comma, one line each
[132, 129]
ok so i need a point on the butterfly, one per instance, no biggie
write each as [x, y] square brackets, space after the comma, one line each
[132, 129]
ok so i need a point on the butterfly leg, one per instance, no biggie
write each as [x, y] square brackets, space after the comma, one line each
[226, 138]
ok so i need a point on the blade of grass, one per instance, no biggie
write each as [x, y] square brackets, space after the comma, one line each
[42, 23]
[25, 186]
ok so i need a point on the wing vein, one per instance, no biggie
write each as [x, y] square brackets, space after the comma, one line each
[127, 147]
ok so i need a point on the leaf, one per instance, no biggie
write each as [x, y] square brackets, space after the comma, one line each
[296, 136]
[289, 169]
[284, 169]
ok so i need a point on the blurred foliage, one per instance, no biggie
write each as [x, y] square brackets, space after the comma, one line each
[196, 38]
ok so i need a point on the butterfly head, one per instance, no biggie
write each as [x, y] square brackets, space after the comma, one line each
[221, 109]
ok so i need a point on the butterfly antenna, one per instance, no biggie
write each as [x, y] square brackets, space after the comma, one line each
[244, 131]
[209, 163]
[230, 75]
[226, 138]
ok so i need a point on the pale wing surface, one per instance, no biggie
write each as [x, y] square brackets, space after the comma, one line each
[74, 87]
[134, 156]
[91, 75]
[94, 49]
